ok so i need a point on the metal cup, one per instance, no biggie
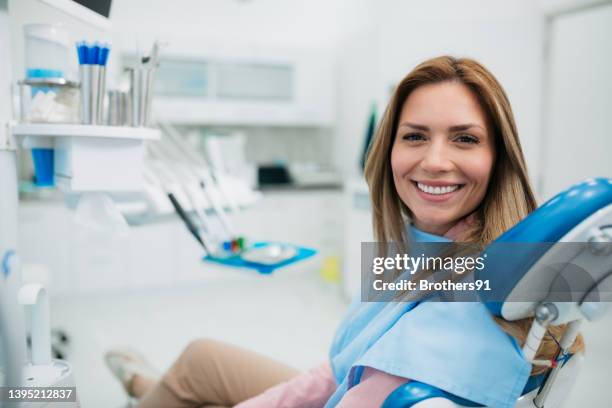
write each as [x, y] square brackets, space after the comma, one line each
[118, 108]
[92, 93]
[141, 94]
[101, 93]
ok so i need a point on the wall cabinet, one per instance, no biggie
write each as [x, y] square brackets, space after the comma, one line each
[271, 88]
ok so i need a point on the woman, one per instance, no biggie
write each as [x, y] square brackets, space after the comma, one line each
[446, 164]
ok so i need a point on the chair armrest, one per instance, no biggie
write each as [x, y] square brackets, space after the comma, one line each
[420, 395]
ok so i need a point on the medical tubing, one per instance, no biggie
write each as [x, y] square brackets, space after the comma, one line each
[594, 286]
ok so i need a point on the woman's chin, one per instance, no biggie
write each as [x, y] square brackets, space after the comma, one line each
[435, 225]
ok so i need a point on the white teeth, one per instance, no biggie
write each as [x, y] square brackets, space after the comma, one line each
[437, 190]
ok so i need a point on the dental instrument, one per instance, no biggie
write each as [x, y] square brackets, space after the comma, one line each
[262, 256]
[92, 68]
[185, 217]
[210, 195]
[191, 169]
[158, 174]
[209, 177]
[142, 76]
[186, 184]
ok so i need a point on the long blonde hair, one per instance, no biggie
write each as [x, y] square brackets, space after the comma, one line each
[509, 197]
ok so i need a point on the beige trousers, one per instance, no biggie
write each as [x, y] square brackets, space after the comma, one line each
[209, 373]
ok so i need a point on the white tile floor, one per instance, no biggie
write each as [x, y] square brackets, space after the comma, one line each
[290, 316]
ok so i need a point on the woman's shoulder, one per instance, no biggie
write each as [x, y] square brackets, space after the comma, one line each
[449, 345]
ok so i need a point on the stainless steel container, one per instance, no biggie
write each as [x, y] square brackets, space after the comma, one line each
[141, 94]
[92, 94]
[118, 108]
[101, 93]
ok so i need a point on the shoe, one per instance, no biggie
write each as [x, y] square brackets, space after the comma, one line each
[126, 363]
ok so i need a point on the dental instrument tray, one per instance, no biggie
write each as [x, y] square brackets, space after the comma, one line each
[265, 257]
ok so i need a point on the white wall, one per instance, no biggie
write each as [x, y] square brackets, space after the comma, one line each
[208, 25]
[356, 88]
[505, 36]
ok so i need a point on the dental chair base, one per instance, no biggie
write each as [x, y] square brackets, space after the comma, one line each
[57, 374]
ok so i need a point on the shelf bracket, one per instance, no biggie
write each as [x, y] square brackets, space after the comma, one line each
[7, 140]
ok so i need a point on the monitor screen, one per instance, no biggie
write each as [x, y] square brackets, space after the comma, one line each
[101, 7]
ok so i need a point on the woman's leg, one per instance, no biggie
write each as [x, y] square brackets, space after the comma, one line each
[212, 373]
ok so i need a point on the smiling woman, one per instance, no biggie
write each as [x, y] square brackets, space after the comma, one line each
[447, 159]
[448, 124]
[442, 155]
[446, 164]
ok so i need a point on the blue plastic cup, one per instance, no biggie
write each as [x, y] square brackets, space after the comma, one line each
[43, 167]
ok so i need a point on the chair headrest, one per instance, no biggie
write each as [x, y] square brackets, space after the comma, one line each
[559, 215]
[550, 223]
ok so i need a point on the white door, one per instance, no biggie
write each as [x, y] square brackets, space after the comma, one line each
[579, 137]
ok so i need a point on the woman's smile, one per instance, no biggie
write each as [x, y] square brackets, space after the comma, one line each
[437, 191]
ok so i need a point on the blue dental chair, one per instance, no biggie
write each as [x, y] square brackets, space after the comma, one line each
[581, 214]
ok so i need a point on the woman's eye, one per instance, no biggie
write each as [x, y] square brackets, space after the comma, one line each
[414, 137]
[469, 139]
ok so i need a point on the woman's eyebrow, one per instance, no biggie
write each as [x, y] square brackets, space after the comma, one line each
[466, 126]
[454, 128]
[414, 126]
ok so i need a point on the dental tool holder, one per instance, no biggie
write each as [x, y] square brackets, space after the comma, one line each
[92, 158]
[93, 88]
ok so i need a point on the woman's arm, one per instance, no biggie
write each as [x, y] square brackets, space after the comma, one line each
[373, 389]
[310, 389]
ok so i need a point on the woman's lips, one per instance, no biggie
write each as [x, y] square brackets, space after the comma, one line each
[436, 197]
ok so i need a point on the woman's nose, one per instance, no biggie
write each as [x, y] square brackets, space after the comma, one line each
[436, 159]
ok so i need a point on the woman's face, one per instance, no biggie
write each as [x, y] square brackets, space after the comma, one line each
[442, 156]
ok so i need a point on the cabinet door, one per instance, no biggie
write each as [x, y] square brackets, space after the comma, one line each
[579, 137]
[251, 81]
